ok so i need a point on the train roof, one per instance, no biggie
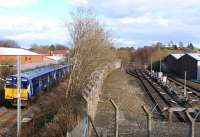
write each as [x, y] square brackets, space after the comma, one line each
[38, 72]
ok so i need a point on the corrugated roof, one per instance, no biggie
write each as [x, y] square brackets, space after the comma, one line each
[196, 56]
[16, 51]
[177, 56]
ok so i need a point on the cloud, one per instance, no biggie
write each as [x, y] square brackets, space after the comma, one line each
[128, 7]
[15, 3]
[79, 3]
[145, 21]
[32, 29]
[123, 42]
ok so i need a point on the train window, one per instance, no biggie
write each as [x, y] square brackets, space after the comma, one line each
[10, 85]
[30, 58]
[24, 85]
[26, 58]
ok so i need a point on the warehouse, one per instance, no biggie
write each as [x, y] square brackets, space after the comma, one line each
[190, 63]
[172, 63]
[27, 57]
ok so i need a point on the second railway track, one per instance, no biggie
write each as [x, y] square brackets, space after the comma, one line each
[159, 96]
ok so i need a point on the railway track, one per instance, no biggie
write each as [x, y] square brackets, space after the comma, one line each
[159, 96]
[194, 91]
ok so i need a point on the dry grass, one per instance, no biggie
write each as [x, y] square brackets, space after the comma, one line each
[125, 91]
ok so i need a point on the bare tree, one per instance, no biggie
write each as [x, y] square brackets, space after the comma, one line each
[9, 44]
[7, 70]
[92, 48]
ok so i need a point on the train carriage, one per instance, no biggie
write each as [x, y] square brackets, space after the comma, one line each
[33, 82]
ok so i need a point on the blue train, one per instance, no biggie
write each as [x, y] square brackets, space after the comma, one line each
[33, 82]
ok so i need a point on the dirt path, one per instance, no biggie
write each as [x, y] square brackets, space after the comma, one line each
[126, 92]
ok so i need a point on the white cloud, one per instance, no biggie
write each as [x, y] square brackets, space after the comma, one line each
[21, 28]
[79, 3]
[144, 20]
[133, 5]
[123, 42]
[15, 3]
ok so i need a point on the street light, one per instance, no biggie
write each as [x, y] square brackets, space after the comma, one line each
[19, 96]
[18, 65]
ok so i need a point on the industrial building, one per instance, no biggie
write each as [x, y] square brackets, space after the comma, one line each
[190, 63]
[27, 57]
[181, 63]
[172, 62]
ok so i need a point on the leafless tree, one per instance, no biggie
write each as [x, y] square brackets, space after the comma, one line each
[9, 44]
[91, 46]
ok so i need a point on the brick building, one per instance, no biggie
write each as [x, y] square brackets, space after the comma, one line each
[27, 57]
[47, 52]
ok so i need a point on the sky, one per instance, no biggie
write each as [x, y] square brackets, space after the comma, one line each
[131, 22]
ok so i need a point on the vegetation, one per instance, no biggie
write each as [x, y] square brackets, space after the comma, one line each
[143, 56]
[125, 55]
[91, 49]
[48, 47]
[7, 70]
[9, 44]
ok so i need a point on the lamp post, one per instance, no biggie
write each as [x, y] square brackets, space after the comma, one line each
[19, 96]
[160, 58]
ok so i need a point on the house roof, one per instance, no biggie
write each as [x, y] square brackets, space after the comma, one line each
[196, 56]
[61, 51]
[177, 56]
[47, 51]
[16, 52]
[56, 58]
[42, 51]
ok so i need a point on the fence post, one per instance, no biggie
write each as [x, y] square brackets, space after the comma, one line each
[149, 118]
[192, 125]
[192, 122]
[93, 126]
[116, 117]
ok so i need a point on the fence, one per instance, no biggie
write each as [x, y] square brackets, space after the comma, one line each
[159, 129]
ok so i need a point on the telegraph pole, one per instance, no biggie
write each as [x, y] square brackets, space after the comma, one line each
[19, 96]
[151, 63]
[185, 82]
[160, 58]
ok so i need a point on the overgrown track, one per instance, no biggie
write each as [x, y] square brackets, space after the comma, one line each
[159, 96]
[194, 91]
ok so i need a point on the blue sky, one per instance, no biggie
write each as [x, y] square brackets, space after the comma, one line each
[131, 22]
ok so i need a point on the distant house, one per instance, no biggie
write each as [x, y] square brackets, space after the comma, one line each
[54, 55]
[171, 62]
[27, 57]
[47, 52]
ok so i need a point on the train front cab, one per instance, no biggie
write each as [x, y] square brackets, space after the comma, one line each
[11, 91]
